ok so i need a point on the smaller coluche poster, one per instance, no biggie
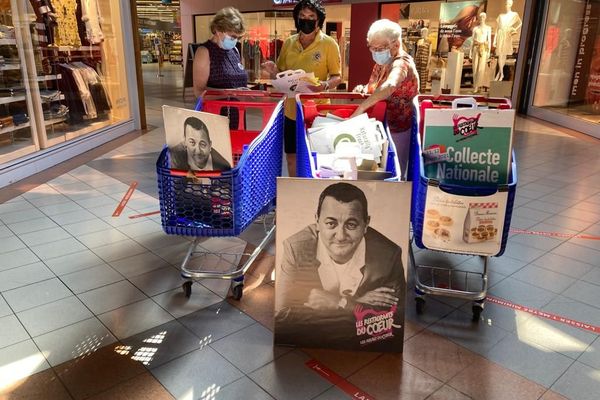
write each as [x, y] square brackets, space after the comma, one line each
[197, 141]
[470, 147]
[464, 224]
[341, 263]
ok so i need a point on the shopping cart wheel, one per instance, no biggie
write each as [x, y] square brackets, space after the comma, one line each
[477, 309]
[420, 304]
[187, 288]
[237, 291]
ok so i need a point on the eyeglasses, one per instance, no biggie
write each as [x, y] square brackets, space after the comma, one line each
[379, 48]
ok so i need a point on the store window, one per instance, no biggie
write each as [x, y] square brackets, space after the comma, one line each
[453, 51]
[62, 72]
[568, 75]
[267, 30]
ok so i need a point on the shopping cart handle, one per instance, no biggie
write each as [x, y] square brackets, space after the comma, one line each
[198, 174]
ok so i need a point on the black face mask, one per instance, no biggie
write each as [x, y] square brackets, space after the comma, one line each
[307, 26]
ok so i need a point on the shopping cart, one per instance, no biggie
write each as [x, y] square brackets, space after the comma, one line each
[312, 104]
[225, 203]
[451, 281]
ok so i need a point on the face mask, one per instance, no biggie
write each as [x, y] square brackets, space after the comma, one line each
[228, 43]
[307, 26]
[381, 57]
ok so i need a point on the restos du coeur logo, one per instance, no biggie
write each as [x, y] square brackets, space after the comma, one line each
[465, 126]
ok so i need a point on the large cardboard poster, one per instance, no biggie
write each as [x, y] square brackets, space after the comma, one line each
[457, 20]
[464, 224]
[197, 141]
[470, 147]
[341, 263]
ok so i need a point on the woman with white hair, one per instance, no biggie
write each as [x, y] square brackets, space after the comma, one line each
[395, 80]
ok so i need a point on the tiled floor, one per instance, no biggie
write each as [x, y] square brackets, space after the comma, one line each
[91, 305]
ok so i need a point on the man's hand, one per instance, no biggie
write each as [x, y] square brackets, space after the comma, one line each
[382, 297]
[321, 300]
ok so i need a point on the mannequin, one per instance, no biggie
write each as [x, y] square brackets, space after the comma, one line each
[422, 57]
[507, 25]
[480, 50]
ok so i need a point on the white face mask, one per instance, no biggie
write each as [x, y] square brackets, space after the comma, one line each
[381, 57]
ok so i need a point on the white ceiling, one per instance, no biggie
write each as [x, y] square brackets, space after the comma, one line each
[155, 10]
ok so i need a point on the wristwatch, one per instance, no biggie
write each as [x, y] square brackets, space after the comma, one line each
[343, 302]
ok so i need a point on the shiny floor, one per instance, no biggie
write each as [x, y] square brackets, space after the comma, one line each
[91, 305]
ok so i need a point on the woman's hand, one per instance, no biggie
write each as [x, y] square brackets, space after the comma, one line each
[270, 67]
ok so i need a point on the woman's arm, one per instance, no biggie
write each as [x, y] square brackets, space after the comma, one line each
[398, 74]
[201, 70]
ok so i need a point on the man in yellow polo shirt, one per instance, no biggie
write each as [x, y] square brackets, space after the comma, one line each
[312, 51]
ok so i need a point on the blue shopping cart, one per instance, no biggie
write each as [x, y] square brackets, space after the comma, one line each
[439, 280]
[226, 203]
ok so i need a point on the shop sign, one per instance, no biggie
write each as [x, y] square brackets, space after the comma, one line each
[470, 147]
[341, 263]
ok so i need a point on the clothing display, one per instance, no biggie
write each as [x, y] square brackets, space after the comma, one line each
[422, 62]
[90, 15]
[480, 53]
[85, 95]
[67, 32]
[507, 24]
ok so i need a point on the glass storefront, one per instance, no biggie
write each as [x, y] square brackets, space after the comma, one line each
[61, 72]
[567, 85]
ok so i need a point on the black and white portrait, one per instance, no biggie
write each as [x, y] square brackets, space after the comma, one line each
[341, 264]
[197, 141]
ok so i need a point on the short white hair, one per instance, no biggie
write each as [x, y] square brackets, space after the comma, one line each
[385, 28]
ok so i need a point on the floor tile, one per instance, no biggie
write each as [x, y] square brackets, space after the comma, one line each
[143, 386]
[84, 227]
[332, 393]
[551, 395]
[249, 348]
[10, 244]
[343, 363]
[159, 240]
[72, 217]
[531, 213]
[44, 236]
[458, 328]
[93, 202]
[49, 200]
[585, 292]
[91, 278]
[90, 375]
[52, 316]
[16, 206]
[545, 279]
[591, 356]
[563, 265]
[485, 380]
[17, 258]
[538, 242]
[25, 275]
[21, 216]
[138, 264]
[523, 253]
[36, 294]
[573, 309]
[4, 308]
[162, 344]
[215, 322]
[20, 361]
[32, 225]
[522, 293]
[77, 340]
[434, 310]
[102, 238]
[12, 331]
[158, 281]
[389, 377]
[244, 389]
[134, 318]
[178, 305]
[579, 253]
[569, 223]
[196, 374]
[5, 232]
[258, 303]
[111, 297]
[73, 262]
[62, 208]
[141, 228]
[173, 254]
[119, 250]
[437, 355]
[529, 359]
[58, 248]
[288, 377]
[579, 382]
[42, 385]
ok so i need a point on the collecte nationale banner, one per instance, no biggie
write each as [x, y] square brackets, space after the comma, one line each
[341, 263]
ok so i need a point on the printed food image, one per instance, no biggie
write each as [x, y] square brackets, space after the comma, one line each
[432, 225]
[432, 213]
[480, 223]
[446, 221]
[443, 234]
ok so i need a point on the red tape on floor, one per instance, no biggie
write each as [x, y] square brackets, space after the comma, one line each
[543, 314]
[555, 234]
[144, 214]
[125, 199]
[338, 381]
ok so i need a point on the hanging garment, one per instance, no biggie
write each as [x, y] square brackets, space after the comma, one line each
[507, 23]
[422, 61]
[480, 53]
[66, 32]
[90, 15]
[45, 21]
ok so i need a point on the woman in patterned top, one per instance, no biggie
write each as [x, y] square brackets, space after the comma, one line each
[395, 80]
[217, 62]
